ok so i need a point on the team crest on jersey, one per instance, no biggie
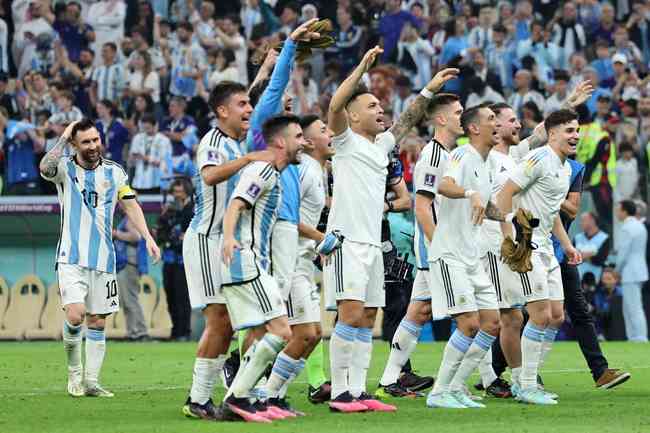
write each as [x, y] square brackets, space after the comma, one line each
[429, 179]
[462, 300]
[254, 190]
[212, 155]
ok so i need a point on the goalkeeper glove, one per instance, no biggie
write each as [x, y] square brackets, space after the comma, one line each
[330, 243]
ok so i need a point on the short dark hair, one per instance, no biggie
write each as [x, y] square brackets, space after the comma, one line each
[111, 45]
[625, 147]
[228, 54]
[559, 117]
[499, 28]
[67, 94]
[499, 107]
[360, 90]
[307, 120]
[83, 125]
[184, 183]
[628, 206]
[276, 124]
[149, 118]
[470, 115]
[561, 75]
[109, 104]
[223, 91]
[440, 100]
[186, 25]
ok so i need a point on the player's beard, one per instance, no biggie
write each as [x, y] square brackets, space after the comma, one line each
[90, 157]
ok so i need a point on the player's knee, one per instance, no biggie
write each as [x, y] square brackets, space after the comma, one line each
[96, 322]
[491, 327]
[556, 320]
[469, 327]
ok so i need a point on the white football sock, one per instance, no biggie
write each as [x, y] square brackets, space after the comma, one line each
[404, 342]
[531, 349]
[476, 352]
[95, 351]
[547, 344]
[204, 378]
[515, 374]
[299, 368]
[283, 368]
[455, 350]
[72, 345]
[360, 363]
[488, 376]
[341, 346]
[257, 358]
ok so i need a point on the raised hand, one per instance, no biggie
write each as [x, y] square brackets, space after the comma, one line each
[580, 94]
[478, 209]
[439, 80]
[369, 58]
[302, 33]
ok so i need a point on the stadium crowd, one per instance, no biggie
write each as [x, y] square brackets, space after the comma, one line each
[144, 70]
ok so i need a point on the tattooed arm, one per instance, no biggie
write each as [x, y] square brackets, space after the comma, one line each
[492, 212]
[50, 162]
[415, 112]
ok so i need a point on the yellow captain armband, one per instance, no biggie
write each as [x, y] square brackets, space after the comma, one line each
[125, 193]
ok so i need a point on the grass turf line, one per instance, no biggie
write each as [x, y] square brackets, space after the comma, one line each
[151, 382]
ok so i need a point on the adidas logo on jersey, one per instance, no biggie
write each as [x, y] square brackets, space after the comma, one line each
[113, 303]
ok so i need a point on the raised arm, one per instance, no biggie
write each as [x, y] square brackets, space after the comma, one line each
[580, 94]
[215, 174]
[336, 116]
[50, 162]
[415, 112]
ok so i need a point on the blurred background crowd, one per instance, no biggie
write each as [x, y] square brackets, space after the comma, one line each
[144, 69]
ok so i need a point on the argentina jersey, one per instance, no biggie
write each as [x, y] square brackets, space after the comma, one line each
[87, 199]
[426, 177]
[216, 148]
[258, 186]
[290, 206]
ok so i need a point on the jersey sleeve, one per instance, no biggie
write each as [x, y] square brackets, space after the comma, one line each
[343, 140]
[255, 179]
[455, 166]
[209, 155]
[426, 173]
[59, 174]
[528, 170]
[519, 151]
[136, 145]
[124, 191]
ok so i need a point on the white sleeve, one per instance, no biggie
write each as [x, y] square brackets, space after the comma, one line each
[387, 141]
[136, 146]
[455, 167]
[527, 171]
[343, 140]
[208, 155]
[519, 151]
[427, 170]
[254, 180]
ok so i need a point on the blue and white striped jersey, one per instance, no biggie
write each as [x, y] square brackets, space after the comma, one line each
[215, 148]
[88, 199]
[259, 186]
[110, 80]
[426, 178]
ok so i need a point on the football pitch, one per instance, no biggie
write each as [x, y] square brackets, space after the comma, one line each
[150, 381]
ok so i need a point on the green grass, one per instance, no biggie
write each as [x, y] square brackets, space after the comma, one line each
[151, 381]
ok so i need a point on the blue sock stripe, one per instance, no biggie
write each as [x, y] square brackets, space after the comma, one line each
[365, 335]
[460, 341]
[276, 343]
[484, 340]
[282, 372]
[345, 332]
[411, 327]
[70, 329]
[550, 334]
[534, 333]
[284, 364]
[95, 335]
[300, 366]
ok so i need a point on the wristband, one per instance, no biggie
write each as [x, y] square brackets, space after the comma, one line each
[509, 217]
[469, 192]
[426, 93]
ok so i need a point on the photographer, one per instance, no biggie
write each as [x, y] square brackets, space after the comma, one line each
[172, 225]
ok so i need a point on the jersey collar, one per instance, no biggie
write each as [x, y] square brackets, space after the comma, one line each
[100, 162]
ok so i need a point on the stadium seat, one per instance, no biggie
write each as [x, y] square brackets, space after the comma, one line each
[4, 298]
[148, 298]
[52, 318]
[26, 302]
[161, 323]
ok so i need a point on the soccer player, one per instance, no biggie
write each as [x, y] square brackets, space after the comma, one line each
[252, 295]
[303, 304]
[540, 183]
[445, 111]
[89, 187]
[220, 157]
[454, 259]
[353, 274]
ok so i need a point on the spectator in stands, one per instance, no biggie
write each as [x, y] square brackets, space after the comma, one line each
[251, 15]
[606, 301]
[627, 173]
[36, 97]
[289, 18]
[382, 84]
[226, 67]
[107, 19]
[8, 100]
[547, 53]
[414, 56]
[391, 24]
[561, 92]
[25, 36]
[593, 244]
[481, 93]
[638, 29]
[109, 79]
[145, 80]
[481, 36]
[66, 112]
[75, 34]
[603, 64]
[589, 73]
[589, 12]
[633, 268]
[4, 43]
[204, 24]
[523, 93]
[499, 56]
[605, 29]
[348, 42]
[456, 42]
[112, 131]
[141, 44]
[176, 126]
[172, 225]
[228, 36]
[129, 267]
[21, 150]
[623, 45]
[303, 90]
[404, 95]
[186, 60]
[568, 33]
[142, 104]
[523, 18]
[149, 154]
